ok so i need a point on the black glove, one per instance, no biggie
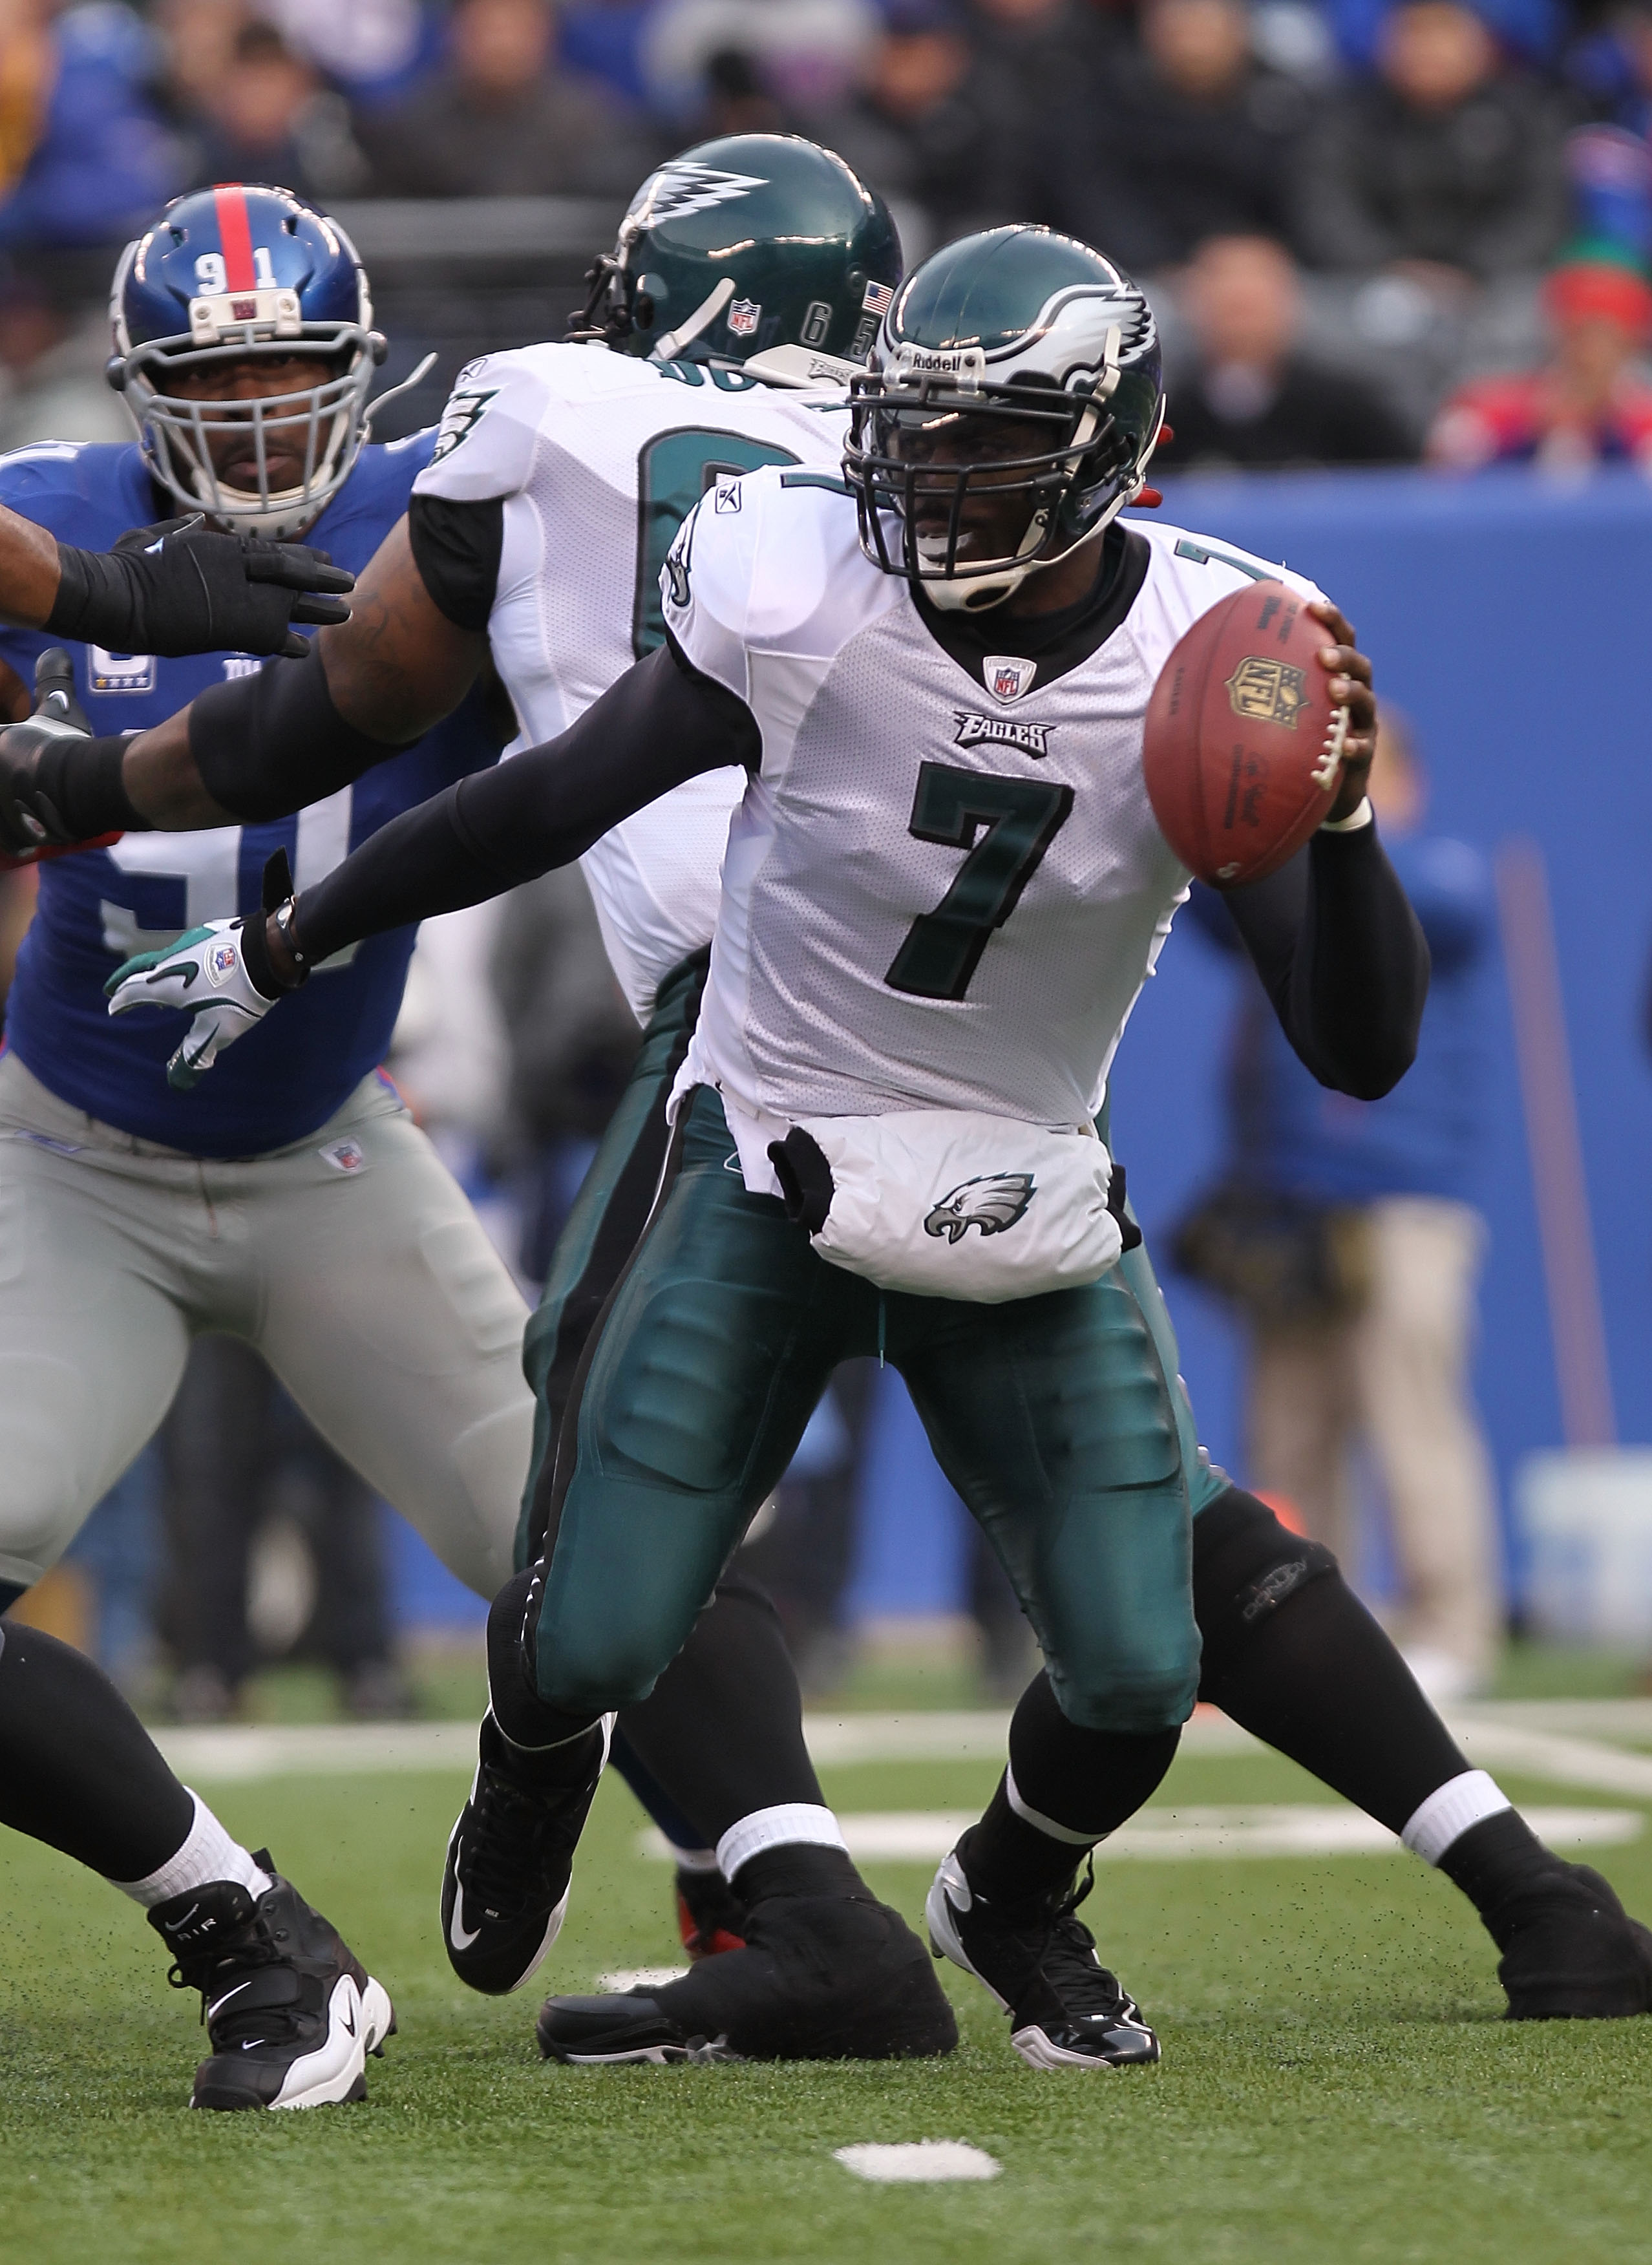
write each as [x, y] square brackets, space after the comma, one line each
[176, 588]
[58, 784]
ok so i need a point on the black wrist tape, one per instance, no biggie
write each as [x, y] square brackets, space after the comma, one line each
[95, 600]
[81, 779]
[267, 745]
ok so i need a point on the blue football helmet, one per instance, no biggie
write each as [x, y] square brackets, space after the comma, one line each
[232, 275]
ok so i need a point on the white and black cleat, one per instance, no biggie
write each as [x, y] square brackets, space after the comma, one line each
[818, 1978]
[505, 1884]
[291, 2012]
[1038, 1961]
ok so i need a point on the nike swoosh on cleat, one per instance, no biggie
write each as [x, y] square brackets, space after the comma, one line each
[213, 2012]
[350, 2022]
[171, 1926]
[456, 1935]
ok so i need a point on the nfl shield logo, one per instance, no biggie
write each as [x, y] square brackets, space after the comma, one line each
[744, 316]
[1007, 679]
[220, 962]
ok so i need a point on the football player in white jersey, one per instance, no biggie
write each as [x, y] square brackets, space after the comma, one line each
[1292, 1673]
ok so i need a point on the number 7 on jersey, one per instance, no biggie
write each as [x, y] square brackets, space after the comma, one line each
[942, 949]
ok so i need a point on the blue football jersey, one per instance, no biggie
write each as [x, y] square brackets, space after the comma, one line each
[98, 907]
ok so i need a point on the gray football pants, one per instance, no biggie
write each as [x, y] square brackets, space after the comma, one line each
[372, 1292]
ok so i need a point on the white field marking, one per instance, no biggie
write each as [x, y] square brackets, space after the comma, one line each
[920, 1836]
[1541, 1738]
[922, 2162]
[640, 1977]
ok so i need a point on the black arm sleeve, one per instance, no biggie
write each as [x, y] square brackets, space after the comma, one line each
[457, 548]
[1342, 956]
[267, 745]
[661, 724]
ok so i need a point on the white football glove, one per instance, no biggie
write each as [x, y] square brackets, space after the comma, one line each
[205, 975]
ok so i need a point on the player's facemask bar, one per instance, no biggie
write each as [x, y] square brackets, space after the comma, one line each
[324, 424]
[1091, 471]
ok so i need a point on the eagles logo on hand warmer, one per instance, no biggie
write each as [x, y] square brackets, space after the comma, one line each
[993, 1202]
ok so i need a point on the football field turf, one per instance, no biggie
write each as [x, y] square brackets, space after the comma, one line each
[1337, 2083]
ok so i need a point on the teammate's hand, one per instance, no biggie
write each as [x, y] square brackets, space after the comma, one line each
[177, 588]
[29, 818]
[1350, 671]
[205, 973]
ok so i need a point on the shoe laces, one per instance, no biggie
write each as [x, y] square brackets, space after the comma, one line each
[1067, 1958]
[503, 1859]
[213, 1973]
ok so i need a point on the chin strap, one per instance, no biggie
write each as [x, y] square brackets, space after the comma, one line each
[703, 316]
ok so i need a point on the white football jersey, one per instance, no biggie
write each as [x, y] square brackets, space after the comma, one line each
[600, 458]
[945, 886]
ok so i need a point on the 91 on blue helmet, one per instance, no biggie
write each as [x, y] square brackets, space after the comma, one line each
[1016, 382]
[226, 276]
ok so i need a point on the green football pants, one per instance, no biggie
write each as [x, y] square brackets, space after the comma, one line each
[1055, 1418]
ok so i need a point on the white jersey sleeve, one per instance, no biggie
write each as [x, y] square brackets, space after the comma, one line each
[489, 433]
[1189, 574]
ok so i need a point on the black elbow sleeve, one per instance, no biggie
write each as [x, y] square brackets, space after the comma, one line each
[270, 743]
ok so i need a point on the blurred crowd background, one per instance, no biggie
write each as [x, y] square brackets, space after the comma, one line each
[1376, 234]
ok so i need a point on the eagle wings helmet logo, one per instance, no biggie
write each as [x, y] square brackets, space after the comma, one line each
[993, 1202]
[683, 187]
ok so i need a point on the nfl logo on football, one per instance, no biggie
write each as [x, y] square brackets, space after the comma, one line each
[744, 316]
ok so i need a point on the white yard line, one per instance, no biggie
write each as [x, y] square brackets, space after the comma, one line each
[923, 2162]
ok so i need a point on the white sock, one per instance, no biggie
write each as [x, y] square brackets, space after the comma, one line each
[790, 1822]
[208, 1854]
[1441, 1821]
[1039, 1823]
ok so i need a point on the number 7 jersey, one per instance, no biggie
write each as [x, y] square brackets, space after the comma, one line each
[945, 886]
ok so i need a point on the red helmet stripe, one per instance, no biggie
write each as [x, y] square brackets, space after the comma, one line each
[234, 233]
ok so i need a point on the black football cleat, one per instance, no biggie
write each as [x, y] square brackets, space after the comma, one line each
[505, 1884]
[710, 1917]
[819, 1977]
[1571, 1952]
[1065, 2010]
[291, 2012]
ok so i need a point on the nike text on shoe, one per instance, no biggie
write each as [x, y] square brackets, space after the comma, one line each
[1571, 1952]
[510, 1861]
[292, 2013]
[1065, 2010]
[818, 1977]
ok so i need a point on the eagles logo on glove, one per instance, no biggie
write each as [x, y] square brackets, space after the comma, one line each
[219, 975]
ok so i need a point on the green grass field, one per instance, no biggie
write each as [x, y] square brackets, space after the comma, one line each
[1337, 2083]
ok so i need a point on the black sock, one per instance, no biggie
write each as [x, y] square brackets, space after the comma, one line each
[798, 1869]
[1086, 1781]
[721, 1731]
[1293, 1656]
[77, 1769]
[1496, 1863]
[550, 1745]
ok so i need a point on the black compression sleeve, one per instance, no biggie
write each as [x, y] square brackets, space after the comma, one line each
[662, 723]
[456, 549]
[267, 745]
[1342, 956]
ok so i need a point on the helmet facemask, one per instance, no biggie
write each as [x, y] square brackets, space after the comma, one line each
[322, 425]
[940, 462]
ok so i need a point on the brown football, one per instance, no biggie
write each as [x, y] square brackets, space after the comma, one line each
[1241, 740]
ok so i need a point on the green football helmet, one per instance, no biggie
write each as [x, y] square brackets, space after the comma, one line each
[742, 246]
[1015, 326]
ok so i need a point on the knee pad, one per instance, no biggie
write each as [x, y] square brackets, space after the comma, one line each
[1246, 1566]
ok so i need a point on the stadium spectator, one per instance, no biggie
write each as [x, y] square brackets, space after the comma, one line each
[1588, 404]
[805, 53]
[373, 51]
[1194, 137]
[1448, 162]
[501, 120]
[1254, 400]
[52, 354]
[925, 122]
[1349, 1237]
[83, 157]
[267, 117]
